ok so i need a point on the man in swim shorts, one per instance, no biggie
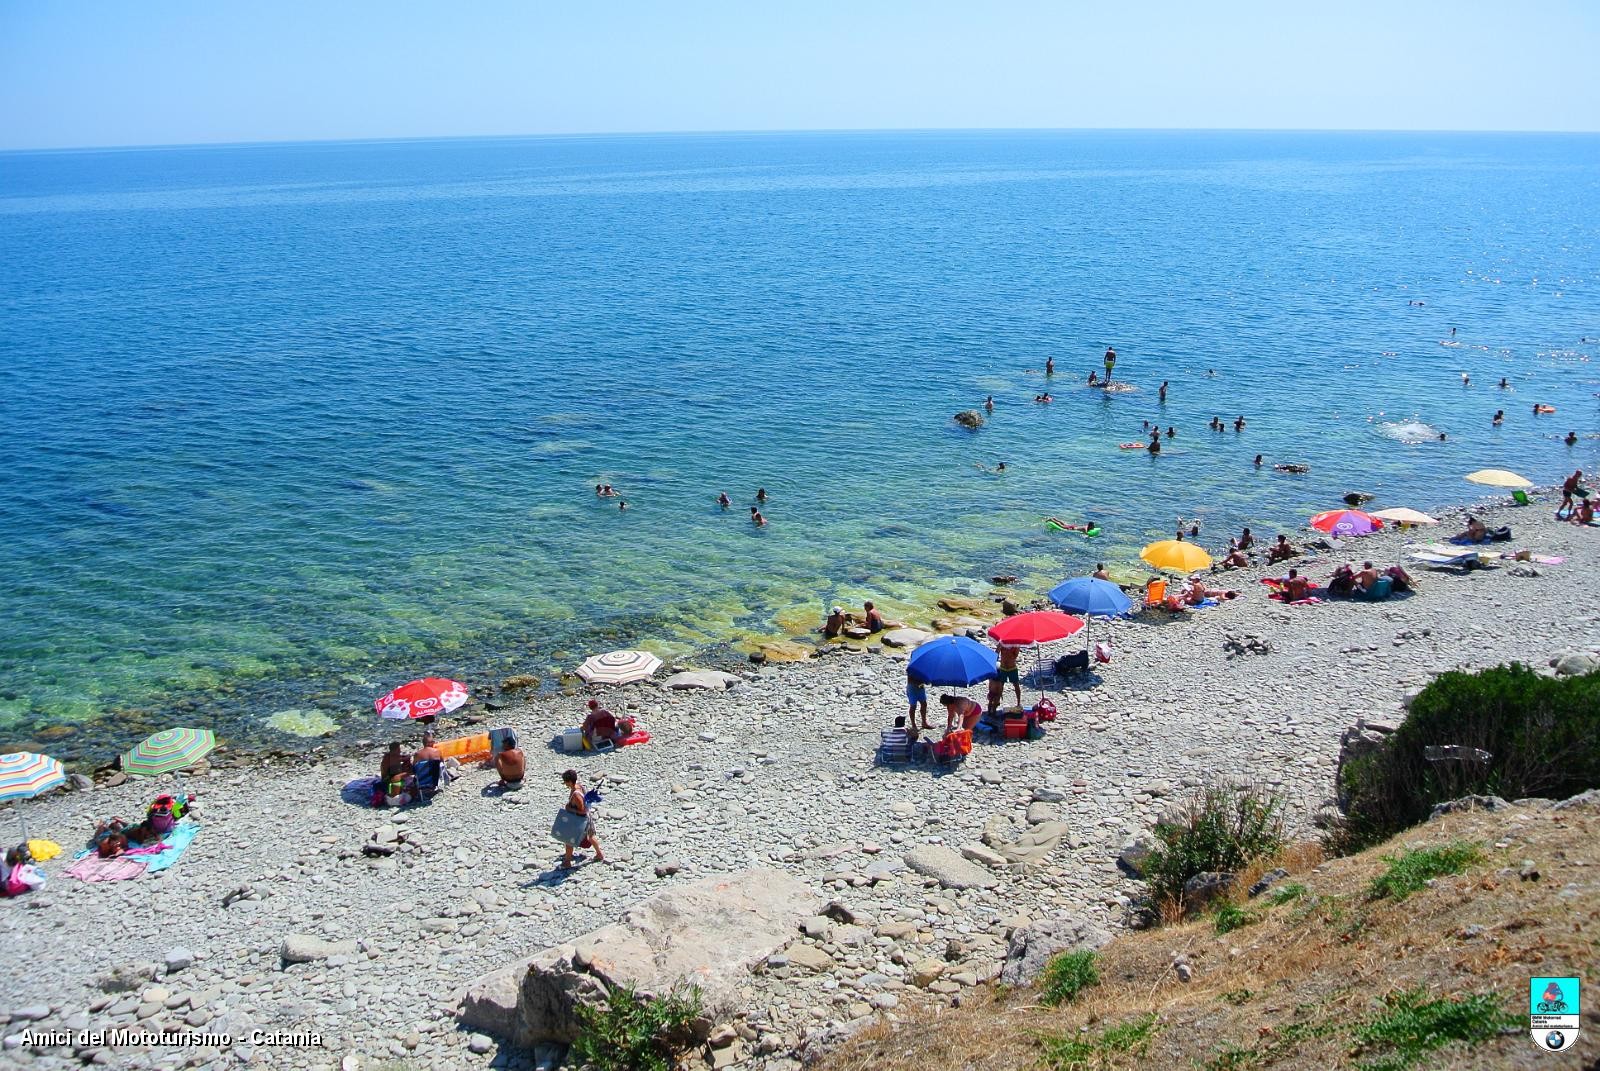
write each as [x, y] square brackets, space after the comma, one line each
[1008, 670]
[917, 697]
[1111, 362]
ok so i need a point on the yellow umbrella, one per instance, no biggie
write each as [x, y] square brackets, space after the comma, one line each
[1498, 478]
[1176, 556]
[1403, 515]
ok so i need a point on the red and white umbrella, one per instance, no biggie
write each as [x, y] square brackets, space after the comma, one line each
[1035, 627]
[426, 698]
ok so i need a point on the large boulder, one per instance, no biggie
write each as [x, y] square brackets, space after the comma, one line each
[1033, 946]
[712, 679]
[905, 637]
[948, 867]
[706, 933]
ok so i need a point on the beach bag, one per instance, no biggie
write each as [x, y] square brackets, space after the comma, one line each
[1102, 652]
[1046, 709]
[160, 819]
[570, 827]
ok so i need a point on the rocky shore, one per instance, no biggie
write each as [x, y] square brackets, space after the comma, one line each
[301, 931]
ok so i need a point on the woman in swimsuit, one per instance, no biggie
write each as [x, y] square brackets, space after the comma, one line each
[576, 805]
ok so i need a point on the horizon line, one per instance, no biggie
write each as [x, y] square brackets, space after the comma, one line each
[768, 132]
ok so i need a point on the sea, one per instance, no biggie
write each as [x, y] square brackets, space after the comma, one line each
[287, 425]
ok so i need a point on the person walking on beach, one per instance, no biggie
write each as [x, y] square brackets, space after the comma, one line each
[917, 699]
[1111, 362]
[1569, 488]
[578, 805]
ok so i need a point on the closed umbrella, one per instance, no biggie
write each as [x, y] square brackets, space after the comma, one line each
[25, 774]
[1498, 478]
[1176, 556]
[168, 751]
[425, 698]
[619, 667]
[1346, 522]
[954, 661]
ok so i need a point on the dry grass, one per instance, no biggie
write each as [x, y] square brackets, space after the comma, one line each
[1286, 991]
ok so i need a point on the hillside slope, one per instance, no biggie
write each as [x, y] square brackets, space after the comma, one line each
[1327, 977]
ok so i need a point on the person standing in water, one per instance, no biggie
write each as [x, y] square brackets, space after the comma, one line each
[988, 403]
[723, 500]
[1111, 362]
[756, 518]
[1162, 393]
[1049, 366]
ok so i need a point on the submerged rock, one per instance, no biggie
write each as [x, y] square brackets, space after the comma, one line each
[969, 418]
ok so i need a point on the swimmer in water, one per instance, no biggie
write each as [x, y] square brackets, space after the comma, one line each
[599, 490]
[756, 518]
[1172, 433]
[1155, 444]
[1466, 380]
[1238, 425]
[723, 500]
[1093, 381]
[1162, 393]
[1499, 417]
[1572, 438]
[622, 505]
[1258, 461]
[1503, 385]
[1000, 467]
[761, 494]
[988, 403]
[1049, 366]
[1441, 436]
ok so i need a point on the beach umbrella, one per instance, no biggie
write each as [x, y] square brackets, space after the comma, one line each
[952, 660]
[168, 751]
[1346, 522]
[422, 699]
[619, 667]
[25, 774]
[1091, 597]
[1402, 515]
[1498, 478]
[1176, 556]
[1035, 627]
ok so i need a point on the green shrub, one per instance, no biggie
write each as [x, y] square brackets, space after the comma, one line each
[1543, 734]
[1222, 828]
[1412, 1026]
[1230, 917]
[634, 1033]
[1082, 1052]
[1411, 871]
[1067, 975]
[1284, 893]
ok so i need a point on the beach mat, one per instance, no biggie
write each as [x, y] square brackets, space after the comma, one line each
[90, 867]
[358, 793]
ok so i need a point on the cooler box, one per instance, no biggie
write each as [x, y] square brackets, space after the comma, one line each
[572, 740]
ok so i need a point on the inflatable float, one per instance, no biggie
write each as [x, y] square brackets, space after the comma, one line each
[1133, 446]
[1087, 530]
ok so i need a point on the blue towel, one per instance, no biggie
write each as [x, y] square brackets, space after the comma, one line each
[173, 847]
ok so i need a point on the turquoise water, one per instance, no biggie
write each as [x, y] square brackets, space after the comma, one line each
[287, 425]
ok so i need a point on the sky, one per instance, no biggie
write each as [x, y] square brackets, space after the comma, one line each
[80, 73]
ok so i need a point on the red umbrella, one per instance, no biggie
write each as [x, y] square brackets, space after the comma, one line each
[1038, 626]
[1346, 522]
[422, 699]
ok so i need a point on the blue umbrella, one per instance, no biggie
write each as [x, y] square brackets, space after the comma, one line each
[954, 661]
[1086, 595]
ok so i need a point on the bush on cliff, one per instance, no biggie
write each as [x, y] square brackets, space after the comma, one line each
[1222, 829]
[1542, 735]
[635, 1032]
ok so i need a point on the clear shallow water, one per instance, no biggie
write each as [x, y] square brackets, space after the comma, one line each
[288, 424]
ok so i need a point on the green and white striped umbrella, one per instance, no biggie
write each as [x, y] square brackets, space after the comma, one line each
[169, 750]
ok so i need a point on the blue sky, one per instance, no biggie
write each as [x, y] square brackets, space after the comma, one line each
[130, 73]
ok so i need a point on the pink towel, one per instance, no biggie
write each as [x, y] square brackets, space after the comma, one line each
[94, 868]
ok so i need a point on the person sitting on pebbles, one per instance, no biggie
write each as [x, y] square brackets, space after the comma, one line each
[600, 724]
[1282, 550]
[1235, 558]
[510, 764]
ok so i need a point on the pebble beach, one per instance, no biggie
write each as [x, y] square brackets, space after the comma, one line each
[278, 941]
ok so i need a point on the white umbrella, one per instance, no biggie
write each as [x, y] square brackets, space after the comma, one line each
[1403, 515]
[619, 667]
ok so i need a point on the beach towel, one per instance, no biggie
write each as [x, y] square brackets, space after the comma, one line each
[43, 849]
[90, 867]
[171, 849]
[360, 792]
